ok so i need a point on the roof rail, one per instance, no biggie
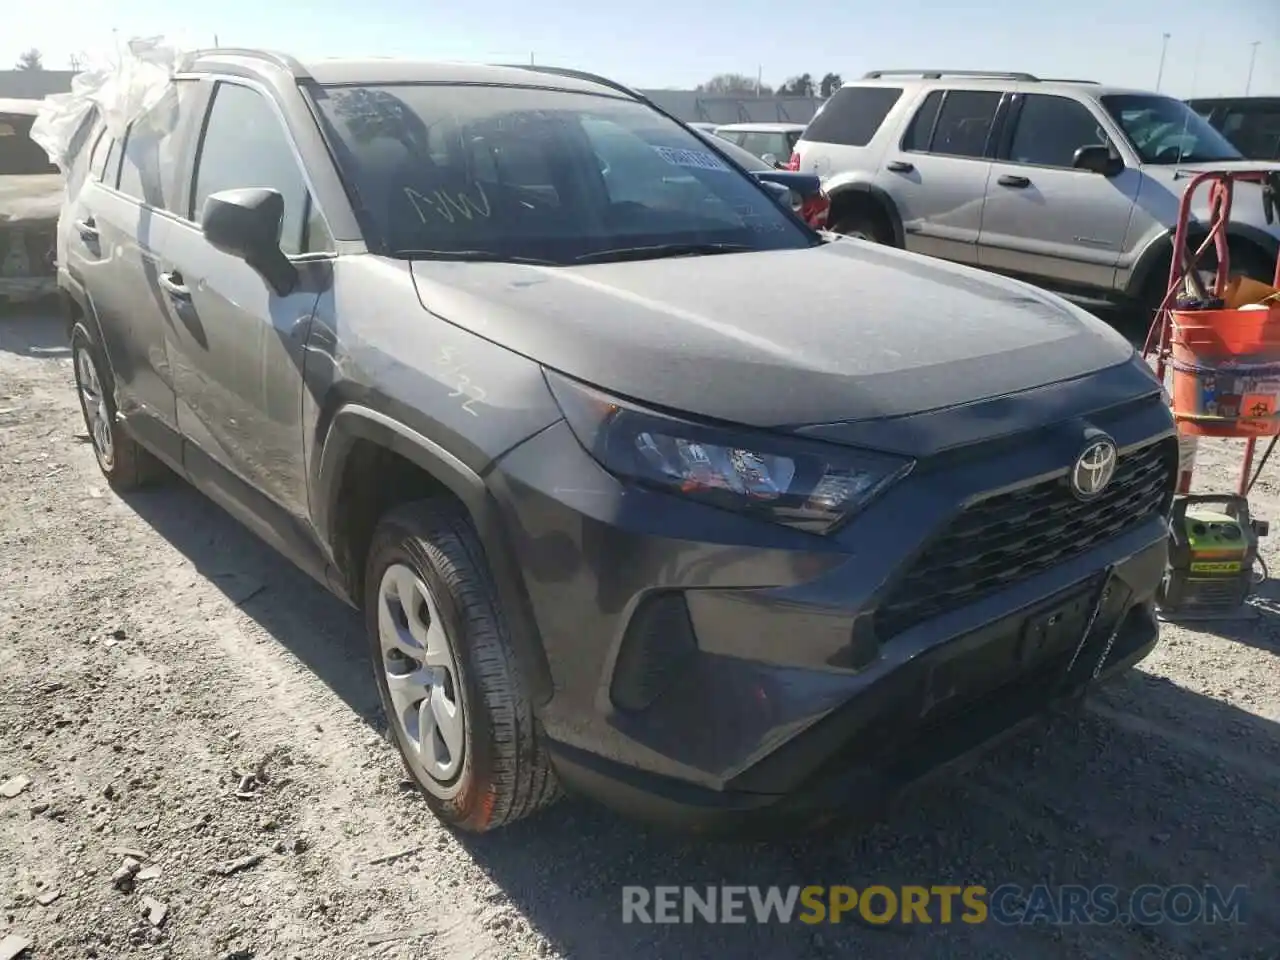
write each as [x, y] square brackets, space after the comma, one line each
[281, 60]
[579, 75]
[1066, 80]
[939, 74]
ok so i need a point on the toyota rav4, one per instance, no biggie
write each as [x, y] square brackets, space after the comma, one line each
[510, 359]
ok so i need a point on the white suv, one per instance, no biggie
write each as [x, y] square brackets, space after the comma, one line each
[1068, 184]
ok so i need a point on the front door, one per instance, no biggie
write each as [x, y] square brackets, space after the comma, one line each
[938, 175]
[1045, 219]
[237, 346]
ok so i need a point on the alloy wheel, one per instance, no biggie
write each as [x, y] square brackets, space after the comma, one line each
[421, 674]
[93, 399]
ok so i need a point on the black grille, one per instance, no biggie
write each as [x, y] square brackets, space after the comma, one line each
[1006, 538]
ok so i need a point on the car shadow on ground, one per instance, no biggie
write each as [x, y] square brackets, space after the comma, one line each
[33, 331]
[1150, 784]
[324, 634]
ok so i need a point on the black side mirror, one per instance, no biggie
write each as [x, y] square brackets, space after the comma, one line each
[245, 223]
[1098, 158]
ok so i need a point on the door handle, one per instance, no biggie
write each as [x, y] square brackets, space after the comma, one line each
[899, 166]
[172, 284]
[1009, 180]
[87, 229]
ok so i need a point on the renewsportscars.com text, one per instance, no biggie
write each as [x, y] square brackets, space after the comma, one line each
[1008, 904]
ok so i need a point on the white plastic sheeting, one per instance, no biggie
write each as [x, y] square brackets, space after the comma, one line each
[119, 92]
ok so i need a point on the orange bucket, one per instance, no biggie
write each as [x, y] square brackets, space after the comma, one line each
[1226, 372]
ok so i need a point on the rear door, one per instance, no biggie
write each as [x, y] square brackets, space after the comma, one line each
[1044, 219]
[937, 174]
[119, 225]
[236, 346]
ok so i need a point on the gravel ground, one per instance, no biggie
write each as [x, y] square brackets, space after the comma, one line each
[178, 695]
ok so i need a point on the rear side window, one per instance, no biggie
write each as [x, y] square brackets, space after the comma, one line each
[1051, 129]
[98, 158]
[964, 123]
[920, 131]
[149, 169]
[852, 115]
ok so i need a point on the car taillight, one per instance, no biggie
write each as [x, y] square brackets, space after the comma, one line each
[815, 209]
[794, 163]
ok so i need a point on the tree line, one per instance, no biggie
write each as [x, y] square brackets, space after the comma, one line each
[741, 85]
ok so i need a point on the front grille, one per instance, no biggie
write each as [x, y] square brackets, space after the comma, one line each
[1011, 536]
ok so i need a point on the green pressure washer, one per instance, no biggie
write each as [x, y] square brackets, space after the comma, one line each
[1213, 550]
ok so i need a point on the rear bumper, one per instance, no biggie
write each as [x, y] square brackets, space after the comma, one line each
[852, 764]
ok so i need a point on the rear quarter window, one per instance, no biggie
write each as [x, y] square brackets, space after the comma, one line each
[852, 115]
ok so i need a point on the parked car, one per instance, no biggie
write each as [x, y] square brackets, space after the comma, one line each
[30, 197]
[1071, 185]
[1252, 124]
[772, 142]
[623, 515]
[808, 199]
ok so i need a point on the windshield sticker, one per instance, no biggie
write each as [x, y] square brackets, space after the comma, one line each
[448, 207]
[696, 159]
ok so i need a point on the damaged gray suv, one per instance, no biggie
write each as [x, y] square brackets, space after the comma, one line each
[646, 490]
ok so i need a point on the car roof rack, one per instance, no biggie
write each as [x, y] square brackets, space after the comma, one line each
[939, 74]
[275, 58]
[579, 75]
[1066, 80]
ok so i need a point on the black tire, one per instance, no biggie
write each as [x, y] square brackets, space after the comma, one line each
[865, 225]
[504, 774]
[125, 463]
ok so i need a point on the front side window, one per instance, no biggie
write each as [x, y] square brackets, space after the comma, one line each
[1051, 129]
[1165, 130]
[245, 145]
[480, 172]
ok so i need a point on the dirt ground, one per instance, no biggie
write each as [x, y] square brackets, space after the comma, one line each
[154, 655]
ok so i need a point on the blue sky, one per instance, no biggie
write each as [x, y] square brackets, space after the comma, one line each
[679, 43]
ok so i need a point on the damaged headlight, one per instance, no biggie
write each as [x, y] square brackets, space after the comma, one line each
[799, 483]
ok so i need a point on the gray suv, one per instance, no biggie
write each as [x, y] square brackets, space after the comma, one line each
[510, 360]
[1068, 184]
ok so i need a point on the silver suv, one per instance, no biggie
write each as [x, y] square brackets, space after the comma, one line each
[1068, 184]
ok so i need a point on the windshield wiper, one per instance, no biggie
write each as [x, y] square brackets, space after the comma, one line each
[660, 250]
[476, 256]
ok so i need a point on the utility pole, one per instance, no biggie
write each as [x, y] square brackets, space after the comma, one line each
[1248, 83]
[1164, 49]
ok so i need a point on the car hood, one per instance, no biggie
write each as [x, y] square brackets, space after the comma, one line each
[32, 197]
[845, 331]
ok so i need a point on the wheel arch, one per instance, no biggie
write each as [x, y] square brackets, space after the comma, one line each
[364, 445]
[1152, 266]
[860, 194]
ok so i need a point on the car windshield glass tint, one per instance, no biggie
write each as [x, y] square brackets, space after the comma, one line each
[21, 156]
[1165, 130]
[521, 173]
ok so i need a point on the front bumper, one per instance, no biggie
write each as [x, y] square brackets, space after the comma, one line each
[708, 668]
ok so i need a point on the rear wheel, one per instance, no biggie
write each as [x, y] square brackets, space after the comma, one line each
[455, 701]
[125, 463]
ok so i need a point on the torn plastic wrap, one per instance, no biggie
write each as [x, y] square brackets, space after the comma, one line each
[117, 92]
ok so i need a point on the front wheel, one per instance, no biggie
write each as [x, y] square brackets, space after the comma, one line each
[862, 226]
[454, 697]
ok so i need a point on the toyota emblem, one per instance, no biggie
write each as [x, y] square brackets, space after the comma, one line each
[1094, 469]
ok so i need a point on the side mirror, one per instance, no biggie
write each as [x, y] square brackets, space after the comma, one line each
[771, 160]
[1098, 158]
[245, 223]
[780, 191]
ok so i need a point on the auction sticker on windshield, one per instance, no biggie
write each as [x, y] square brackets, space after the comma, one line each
[698, 159]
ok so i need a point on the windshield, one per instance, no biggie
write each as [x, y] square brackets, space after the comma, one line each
[514, 173]
[1164, 130]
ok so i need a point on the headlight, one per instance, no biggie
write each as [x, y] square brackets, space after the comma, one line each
[810, 486]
